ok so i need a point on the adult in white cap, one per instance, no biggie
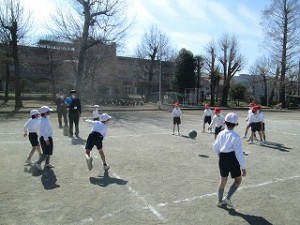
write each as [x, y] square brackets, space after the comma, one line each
[98, 133]
[228, 147]
[31, 128]
[46, 140]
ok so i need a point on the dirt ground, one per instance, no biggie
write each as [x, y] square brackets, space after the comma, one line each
[155, 177]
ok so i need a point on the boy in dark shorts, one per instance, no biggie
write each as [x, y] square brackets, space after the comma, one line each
[255, 123]
[217, 122]
[45, 133]
[31, 128]
[99, 129]
[207, 115]
[176, 114]
[228, 147]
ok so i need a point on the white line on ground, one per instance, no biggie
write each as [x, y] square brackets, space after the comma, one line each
[289, 133]
[147, 206]
[241, 188]
[138, 135]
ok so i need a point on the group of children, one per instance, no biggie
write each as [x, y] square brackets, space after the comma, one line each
[39, 130]
[255, 121]
[228, 144]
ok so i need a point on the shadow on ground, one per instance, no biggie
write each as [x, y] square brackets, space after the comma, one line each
[78, 141]
[277, 146]
[106, 180]
[251, 219]
[49, 179]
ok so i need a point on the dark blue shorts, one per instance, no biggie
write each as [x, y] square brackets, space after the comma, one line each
[207, 119]
[94, 138]
[176, 120]
[255, 127]
[33, 138]
[228, 163]
[47, 149]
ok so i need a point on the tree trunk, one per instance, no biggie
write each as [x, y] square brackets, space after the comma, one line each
[225, 93]
[15, 55]
[6, 97]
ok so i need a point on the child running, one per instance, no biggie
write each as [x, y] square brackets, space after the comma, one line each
[250, 105]
[96, 114]
[228, 147]
[45, 133]
[31, 128]
[255, 123]
[99, 130]
[217, 122]
[207, 114]
[176, 114]
[262, 121]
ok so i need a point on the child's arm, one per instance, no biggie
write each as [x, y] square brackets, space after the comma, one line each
[25, 128]
[238, 150]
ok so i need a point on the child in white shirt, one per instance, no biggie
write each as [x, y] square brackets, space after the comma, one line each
[176, 114]
[31, 129]
[45, 134]
[207, 115]
[99, 130]
[228, 147]
[218, 122]
[96, 114]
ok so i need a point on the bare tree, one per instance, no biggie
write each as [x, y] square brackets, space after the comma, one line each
[280, 23]
[89, 23]
[213, 70]
[155, 46]
[14, 25]
[231, 62]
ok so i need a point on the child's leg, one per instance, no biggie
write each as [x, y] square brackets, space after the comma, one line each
[88, 151]
[31, 152]
[260, 135]
[102, 156]
[178, 128]
[251, 136]
[41, 159]
[38, 149]
[47, 161]
[246, 130]
[203, 129]
[174, 128]
[221, 187]
[234, 187]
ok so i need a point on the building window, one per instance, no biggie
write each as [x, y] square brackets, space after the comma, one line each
[127, 90]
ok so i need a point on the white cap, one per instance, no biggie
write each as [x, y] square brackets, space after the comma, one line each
[231, 118]
[45, 109]
[96, 106]
[104, 117]
[34, 112]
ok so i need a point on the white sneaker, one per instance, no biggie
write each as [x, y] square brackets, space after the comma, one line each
[89, 162]
[38, 166]
[106, 167]
[255, 139]
[28, 162]
[227, 202]
[261, 143]
[49, 165]
[250, 142]
[220, 204]
[244, 137]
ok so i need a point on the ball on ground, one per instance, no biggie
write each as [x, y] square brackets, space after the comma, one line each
[193, 134]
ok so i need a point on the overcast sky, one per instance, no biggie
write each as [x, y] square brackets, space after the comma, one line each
[190, 24]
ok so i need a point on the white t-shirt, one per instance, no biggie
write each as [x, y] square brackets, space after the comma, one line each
[45, 128]
[176, 112]
[32, 126]
[229, 141]
[218, 121]
[98, 126]
[207, 112]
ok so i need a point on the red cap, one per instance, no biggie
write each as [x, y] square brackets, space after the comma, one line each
[251, 104]
[217, 110]
[255, 108]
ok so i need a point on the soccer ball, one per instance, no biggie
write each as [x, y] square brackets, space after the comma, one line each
[68, 100]
[193, 134]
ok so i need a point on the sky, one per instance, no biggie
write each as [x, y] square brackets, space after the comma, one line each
[189, 24]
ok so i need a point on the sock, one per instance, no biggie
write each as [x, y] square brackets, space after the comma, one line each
[231, 191]
[220, 194]
[41, 159]
[47, 159]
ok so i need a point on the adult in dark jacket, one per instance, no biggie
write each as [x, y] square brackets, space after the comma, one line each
[61, 109]
[74, 113]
